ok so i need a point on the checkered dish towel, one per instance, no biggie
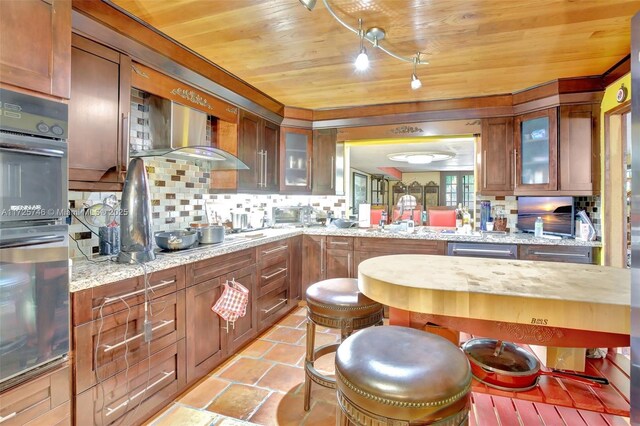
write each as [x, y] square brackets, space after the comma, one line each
[232, 304]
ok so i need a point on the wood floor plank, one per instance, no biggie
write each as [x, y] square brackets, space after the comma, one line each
[617, 377]
[527, 413]
[582, 395]
[592, 418]
[553, 392]
[571, 417]
[485, 413]
[506, 411]
[549, 415]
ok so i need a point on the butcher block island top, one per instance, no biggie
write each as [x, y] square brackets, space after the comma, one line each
[548, 294]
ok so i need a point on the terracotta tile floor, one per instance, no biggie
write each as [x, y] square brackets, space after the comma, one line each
[262, 384]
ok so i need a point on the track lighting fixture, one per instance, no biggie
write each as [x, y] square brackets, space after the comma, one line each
[373, 35]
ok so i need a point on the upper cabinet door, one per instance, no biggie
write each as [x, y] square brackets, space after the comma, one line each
[536, 141]
[497, 155]
[296, 146]
[250, 152]
[271, 160]
[35, 45]
[324, 162]
[98, 116]
[579, 149]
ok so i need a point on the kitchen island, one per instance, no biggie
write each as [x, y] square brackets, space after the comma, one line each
[555, 304]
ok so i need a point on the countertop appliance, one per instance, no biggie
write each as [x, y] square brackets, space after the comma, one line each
[34, 245]
[136, 242]
[293, 215]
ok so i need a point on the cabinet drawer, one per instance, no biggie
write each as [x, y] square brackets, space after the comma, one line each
[342, 243]
[41, 398]
[566, 254]
[209, 269]
[273, 271]
[274, 249]
[272, 306]
[400, 246]
[105, 346]
[89, 304]
[139, 392]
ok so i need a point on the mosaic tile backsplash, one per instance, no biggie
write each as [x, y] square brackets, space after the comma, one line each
[178, 194]
[509, 205]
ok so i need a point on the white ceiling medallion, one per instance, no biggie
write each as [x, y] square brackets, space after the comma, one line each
[420, 157]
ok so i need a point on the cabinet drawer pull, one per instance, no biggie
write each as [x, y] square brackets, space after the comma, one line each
[339, 243]
[484, 169]
[483, 251]
[273, 250]
[546, 253]
[276, 306]
[134, 293]
[111, 410]
[8, 416]
[280, 270]
[108, 348]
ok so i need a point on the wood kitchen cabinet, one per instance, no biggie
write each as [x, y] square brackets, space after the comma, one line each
[313, 252]
[339, 258]
[35, 45]
[295, 262]
[324, 162]
[44, 400]
[273, 282]
[208, 339]
[536, 151]
[98, 116]
[548, 253]
[579, 156]
[114, 369]
[496, 174]
[296, 147]
[246, 327]
[326, 257]
[258, 148]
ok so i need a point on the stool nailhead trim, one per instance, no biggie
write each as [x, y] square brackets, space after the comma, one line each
[402, 404]
[360, 416]
[342, 308]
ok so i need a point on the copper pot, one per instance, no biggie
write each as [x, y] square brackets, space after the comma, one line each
[506, 366]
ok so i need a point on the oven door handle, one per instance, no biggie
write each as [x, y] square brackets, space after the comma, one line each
[25, 149]
[31, 241]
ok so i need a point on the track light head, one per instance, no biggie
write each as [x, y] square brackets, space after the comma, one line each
[309, 4]
[415, 82]
[362, 61]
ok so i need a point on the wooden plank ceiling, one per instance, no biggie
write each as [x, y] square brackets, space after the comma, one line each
[478, 47]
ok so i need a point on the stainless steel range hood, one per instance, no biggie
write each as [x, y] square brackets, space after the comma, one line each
[180, 132]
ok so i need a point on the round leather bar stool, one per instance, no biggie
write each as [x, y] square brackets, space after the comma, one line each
[334, 303]
[401, 376]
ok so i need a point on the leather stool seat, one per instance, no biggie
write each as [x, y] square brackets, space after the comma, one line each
[401, 374]
[334, 303]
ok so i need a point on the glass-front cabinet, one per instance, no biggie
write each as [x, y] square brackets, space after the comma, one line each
[296, 146]
[536, 150]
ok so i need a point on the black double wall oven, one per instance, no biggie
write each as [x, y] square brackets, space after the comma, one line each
[34, 266]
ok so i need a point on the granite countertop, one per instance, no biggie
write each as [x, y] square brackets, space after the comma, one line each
[426, 233]
[101, 270]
